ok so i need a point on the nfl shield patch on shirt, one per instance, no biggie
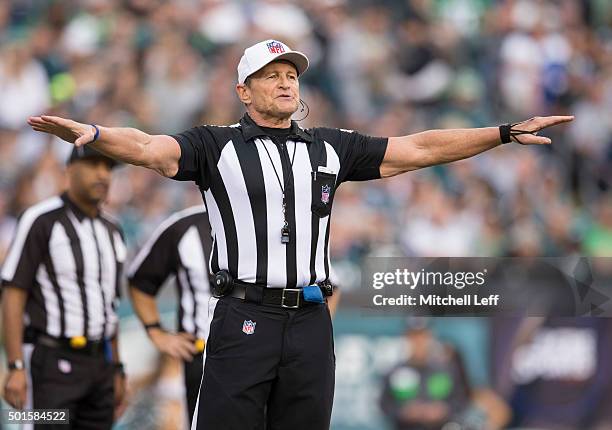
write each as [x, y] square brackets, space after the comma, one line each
[248, 327]
[325, 191]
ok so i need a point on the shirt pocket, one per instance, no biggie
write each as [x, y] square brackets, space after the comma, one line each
[323, 187]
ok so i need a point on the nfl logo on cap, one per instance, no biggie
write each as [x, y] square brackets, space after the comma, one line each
[248, 327]
[275, 47]
[259, 55]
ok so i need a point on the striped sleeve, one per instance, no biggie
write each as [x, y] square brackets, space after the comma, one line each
[360, 155]
[154, 263]
[192, 163]
[26, 251]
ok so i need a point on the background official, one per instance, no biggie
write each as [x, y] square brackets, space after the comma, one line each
[179, 248]
[62, 277]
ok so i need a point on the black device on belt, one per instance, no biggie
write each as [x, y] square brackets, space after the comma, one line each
[225, 285]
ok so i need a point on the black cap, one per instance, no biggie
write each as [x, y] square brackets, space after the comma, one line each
[85, 152]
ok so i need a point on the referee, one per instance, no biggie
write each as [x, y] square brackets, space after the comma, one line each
[179, 248]
[61, 277]
[269, 186]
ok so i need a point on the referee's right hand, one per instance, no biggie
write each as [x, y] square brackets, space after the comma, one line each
[179, 346]
[66, 129]
[15, 388]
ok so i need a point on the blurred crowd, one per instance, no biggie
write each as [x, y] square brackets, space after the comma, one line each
[386, 67]
[383, 68]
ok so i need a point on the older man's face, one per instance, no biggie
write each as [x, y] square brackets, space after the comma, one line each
[274, 91]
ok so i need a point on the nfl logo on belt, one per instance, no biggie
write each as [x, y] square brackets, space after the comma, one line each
[248, 327]
[325, 190]
[275, 47]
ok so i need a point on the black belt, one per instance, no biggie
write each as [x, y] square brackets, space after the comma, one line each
[290, 298]
[75, 344]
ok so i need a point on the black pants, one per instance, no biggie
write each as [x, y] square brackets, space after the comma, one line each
[84, 384]
[286, 367]
[193, 376]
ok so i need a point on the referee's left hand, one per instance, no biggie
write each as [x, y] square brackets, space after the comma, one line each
[534, 125]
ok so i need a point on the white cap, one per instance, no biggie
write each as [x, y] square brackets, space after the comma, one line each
[259, 55]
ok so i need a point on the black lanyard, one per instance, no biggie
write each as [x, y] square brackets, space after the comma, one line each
[285, 230]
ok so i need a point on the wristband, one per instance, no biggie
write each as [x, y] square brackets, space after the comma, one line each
[504, 133]
[97, 133]
[508, 132]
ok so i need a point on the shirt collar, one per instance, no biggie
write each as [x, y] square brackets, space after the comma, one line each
[250, 130]
[80, 215]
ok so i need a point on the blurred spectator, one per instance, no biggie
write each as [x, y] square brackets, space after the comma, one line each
[7, 225]
[24, 85]
[431, 389]
[598, 237]
[174, 72]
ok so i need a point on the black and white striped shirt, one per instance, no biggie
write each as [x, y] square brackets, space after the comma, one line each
[240, 169]
[71, 265]
[179, 247]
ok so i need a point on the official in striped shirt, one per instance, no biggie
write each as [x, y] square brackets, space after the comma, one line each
[60, 288]
[179, 249]
[269, 187]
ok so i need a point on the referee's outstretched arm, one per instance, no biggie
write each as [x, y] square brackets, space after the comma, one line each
[433, 147]
[162, 153]
[129, 145]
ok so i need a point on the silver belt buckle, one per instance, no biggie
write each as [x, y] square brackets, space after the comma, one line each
[297, 301]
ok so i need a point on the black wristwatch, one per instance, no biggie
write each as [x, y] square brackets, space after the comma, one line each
[16, 365]
[152, 325]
